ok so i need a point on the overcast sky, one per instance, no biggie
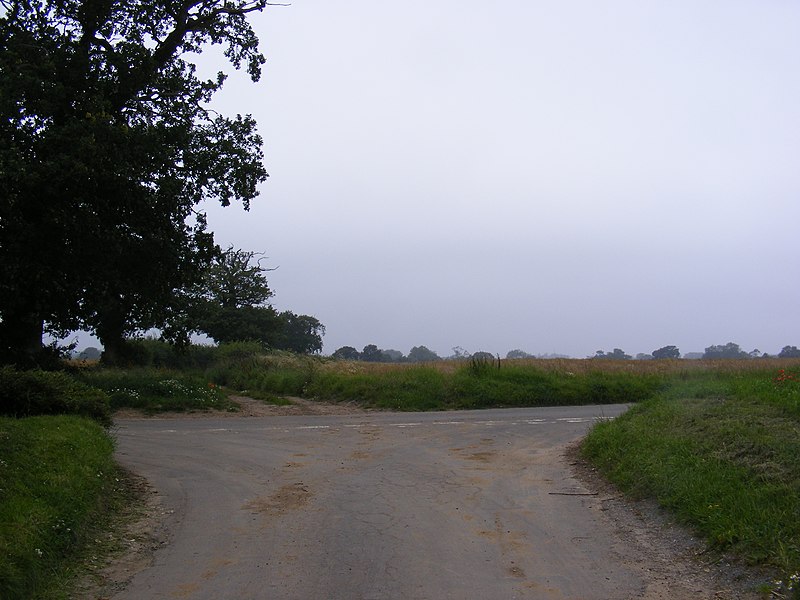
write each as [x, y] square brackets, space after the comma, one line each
[561, 176]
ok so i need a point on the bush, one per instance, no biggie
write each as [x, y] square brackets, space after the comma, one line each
[238, 352]
[150, 352]
[28, 393]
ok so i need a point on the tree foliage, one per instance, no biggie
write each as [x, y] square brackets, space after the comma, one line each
[231, 306]
[391, 355]
[236, 279]
[667, 352]
[729, 350]
[371, 353]
[299, 333]
[108, 147]
[615, 354]
[422, 354]
[789, 352]
[346, 353]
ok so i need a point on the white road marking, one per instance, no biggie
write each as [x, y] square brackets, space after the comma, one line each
[399, 425]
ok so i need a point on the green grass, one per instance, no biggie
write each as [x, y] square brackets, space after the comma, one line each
[157, 390]
[409, 389]
[525, 385]
[438, 387]
[57, 478]
[720, 450]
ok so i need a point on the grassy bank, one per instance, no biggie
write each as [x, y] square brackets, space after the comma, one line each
[155, 390]
[57, 482]
[720, 449]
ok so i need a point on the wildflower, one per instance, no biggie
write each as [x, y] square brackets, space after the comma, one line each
[38, 552]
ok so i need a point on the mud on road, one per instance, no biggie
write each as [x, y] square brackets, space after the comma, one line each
[332, 501]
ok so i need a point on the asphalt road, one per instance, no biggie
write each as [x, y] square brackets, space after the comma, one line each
[462, 505]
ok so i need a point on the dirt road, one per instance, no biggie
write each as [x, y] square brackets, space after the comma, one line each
[458, 505]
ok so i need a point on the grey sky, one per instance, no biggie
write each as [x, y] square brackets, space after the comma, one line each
[552, 176]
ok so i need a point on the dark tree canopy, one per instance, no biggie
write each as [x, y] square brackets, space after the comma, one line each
[107, 147]
[667, 352]
[422, 354]
[729, 350]
[245, 323]
[230, 306]
[346, 353]
[371, 353]
[615, 354]
[391, 355]
[789, 352]
[299, 333]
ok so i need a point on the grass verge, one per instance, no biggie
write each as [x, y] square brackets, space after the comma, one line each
[720, 450]
[157, 390]
[445, 386]
[58, 481]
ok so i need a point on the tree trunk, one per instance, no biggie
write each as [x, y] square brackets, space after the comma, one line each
[111, 333]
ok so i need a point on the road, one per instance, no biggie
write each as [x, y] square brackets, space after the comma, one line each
[371, 506]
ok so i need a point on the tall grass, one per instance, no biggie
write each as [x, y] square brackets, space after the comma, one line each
[440, 385]
[411, 388]
[720, 449]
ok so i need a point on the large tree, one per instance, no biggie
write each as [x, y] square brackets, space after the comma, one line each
[422, 354]
[667, 352]
[729, 350]
[346, 353]
[107, 150]
[231, 305]
[299, 333]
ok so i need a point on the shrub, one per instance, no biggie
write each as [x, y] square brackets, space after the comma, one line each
[150, 352]
[237, 352]
[28, 393]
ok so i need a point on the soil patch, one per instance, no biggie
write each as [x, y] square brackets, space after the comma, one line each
[135, 535]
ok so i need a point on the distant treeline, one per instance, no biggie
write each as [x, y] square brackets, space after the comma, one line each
[371, 353]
